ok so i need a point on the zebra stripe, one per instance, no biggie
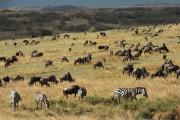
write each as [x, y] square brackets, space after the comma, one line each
[129, 93]
[14, 98]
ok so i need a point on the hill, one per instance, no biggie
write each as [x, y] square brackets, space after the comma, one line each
[18, 23]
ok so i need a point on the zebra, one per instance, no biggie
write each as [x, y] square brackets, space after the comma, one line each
[14, 98]
[41, 98]
[129, 93]
[82, 92]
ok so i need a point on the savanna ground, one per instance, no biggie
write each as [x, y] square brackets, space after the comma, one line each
[163, 93]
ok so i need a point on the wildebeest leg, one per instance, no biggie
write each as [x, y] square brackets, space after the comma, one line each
[41, 104]
[75, 95]
[37, 105]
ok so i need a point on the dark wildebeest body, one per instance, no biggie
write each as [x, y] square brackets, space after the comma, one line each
[159, 73]
[48, 63]
[44, 82]
[34, 80]
[18, 78]
[64, 59]
[98, 64]
[66, 36]
[140, 72]
[6, 79]
[103, 47]
[75, 89]
[129, 69]
[52, 79]
[67, 77]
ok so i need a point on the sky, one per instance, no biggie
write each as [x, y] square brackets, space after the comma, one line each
[85, 3]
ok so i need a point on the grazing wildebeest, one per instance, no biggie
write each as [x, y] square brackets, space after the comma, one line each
[3, 59]
[83, 60]
[18, 78]
[15, 43]
[70, 49]
[66, 36]
[26, 42]
[103, 47]
[48, 63]
[75, 89]
[35, 53]
[98, 64]
[19, 53]
[67, 77]
[6, 79]
[33, 80]
[53, 79]
[129, 69]
[140, 72]
[178, 73]
[129, 93]
[102, 34]
[172, 68]
[14, 98]
[42, 99]
[44, 82]
[64, 59]
[163, 48]
[159, 73]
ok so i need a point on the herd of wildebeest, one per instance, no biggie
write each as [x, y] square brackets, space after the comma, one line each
[127, 51]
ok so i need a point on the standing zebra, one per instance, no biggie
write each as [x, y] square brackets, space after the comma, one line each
[41, 98]
[14, 98]
[129, 93]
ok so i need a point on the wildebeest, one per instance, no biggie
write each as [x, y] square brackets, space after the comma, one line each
[83, 60]
[163, 48]
[10, 61]
[140, 72]
[19, 53]
[159, 73]
[35, 53]
[75, 89]
[103, 47]
[44, 82]
[103, 34]
[48, 63]
[67, 77]
[53, 79]
[18, 78]
[34, 80]
[66, 36]
[129, 69]
[64, 59]
[98, 64]
[42, 99]
[14, 98]
[3, 59]
[6, 79]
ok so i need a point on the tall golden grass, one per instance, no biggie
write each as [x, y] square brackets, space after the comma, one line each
[100, 82]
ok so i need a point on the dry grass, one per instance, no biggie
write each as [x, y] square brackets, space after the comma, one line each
[98, 82]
